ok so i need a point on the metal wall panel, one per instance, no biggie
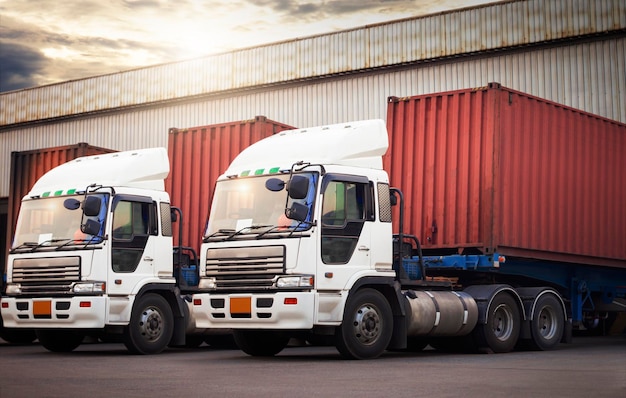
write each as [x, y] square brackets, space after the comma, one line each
[557, 73]
[481, 29]
[199, 155]
[495, 169]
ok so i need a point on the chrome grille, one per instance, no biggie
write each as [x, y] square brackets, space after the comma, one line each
[46, 275]
[245, 267]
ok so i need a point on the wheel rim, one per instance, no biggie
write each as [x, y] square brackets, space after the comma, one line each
[367, 324]
[547, 323]
[151, 324]
[503, 322]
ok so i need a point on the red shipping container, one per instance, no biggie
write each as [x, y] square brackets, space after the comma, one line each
[28, 166]
[496, 170]
[198, 156]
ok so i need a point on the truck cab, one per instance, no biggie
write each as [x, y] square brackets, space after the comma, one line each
[298, 220]
[92, 254]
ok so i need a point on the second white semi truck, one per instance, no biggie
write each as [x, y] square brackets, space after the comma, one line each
[300, 243]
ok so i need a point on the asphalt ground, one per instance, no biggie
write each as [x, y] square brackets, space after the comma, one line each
[589, 367]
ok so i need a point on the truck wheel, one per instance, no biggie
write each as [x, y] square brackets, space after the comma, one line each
[502, 329]
[17, 336]
[151, 325]
[547, 324]
[367, 326]
[59, 340]
[261, 343]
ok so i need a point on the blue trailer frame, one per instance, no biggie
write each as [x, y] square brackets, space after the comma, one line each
[583, 286]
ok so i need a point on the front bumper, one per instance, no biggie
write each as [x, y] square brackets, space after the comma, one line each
[62, 312]
[283, 310]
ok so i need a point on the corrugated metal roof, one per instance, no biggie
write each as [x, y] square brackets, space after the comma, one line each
[448, 34]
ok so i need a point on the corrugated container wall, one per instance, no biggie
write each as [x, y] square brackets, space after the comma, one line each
[493, 169]
[28, 166]
[198, 156]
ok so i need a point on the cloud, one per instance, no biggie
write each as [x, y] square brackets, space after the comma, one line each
[332, 9]
[20, 66]
[74, 39]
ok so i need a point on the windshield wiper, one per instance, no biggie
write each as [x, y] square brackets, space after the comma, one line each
[205, 239]
[239, 232]
[231, 233]
[78, 242]
[34, 246]
[285, 228]
[25, 245]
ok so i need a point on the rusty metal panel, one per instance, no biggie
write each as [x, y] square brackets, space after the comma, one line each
[199, 155]
[561, 184]
[28, 166]
[493, 169]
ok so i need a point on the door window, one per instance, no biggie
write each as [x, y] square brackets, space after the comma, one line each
[346, 206]
[133, 222]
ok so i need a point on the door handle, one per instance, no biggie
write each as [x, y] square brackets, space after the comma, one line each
[364, 248]
[148, 259]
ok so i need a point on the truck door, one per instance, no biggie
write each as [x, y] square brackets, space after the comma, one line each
[132, 249]
[346, 224]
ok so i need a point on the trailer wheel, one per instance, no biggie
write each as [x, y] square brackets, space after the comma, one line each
[261, 343]
[56, 340]
[502, 329]
[547, 324]
[367, 326]
[151, 325]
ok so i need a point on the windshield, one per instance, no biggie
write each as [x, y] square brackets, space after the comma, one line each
[46, 222]
[246, 206]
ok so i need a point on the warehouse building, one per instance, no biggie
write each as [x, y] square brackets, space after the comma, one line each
[572, 52]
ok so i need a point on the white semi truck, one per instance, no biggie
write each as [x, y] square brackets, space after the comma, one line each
[300, 243]
[93, 255]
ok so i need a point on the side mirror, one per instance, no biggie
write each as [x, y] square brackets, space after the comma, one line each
[275, 184]
[298, 187]
[91, 206]
[71, 204]
[91, 227]
[297, 211]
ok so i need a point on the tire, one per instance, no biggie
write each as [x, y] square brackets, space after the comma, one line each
[261, 343]
[17, 336]
[151, 325]
[501, 332]
[56, 340]
[547, 324]
[367, 326]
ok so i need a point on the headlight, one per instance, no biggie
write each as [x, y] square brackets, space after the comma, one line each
[14, 288]
[89, 287]
[206, 283]
[295, 281]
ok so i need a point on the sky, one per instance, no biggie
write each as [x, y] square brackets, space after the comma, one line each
[44, 41]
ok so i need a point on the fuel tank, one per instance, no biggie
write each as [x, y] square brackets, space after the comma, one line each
[435, 313]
